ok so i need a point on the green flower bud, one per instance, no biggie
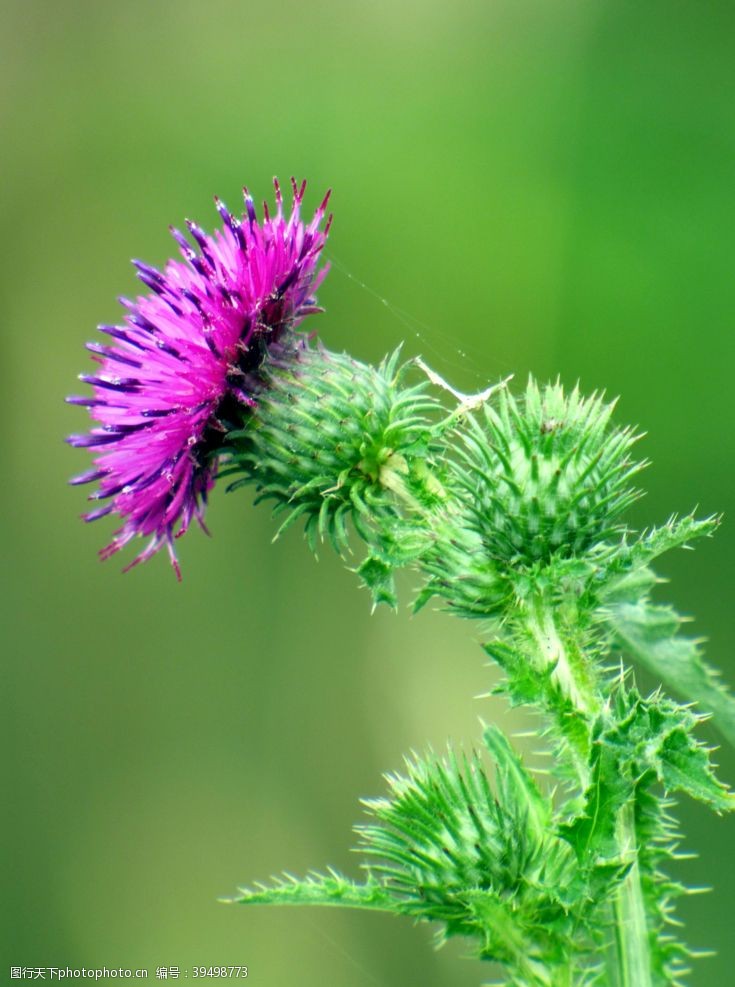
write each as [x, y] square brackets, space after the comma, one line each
[545, 476]
[484, 861]
[537, 483]
[334, 440]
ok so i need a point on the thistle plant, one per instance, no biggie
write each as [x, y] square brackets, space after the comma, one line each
[508, 508]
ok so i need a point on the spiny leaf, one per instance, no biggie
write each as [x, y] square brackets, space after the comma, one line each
[621, 565]
[650, 634]
[656, 735]
[319, 889]
[637, 743]
[592, 833]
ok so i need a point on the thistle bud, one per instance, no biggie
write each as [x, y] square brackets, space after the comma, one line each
[538, 480]
[547, 475]
[334, 441]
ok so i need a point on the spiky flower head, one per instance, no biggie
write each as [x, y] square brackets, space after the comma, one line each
[539, 480]
[340, 443]
[186, 365]
[547, 474]
[443, 838]
[446, 845]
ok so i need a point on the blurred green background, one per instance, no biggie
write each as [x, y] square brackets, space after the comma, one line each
[542, 187]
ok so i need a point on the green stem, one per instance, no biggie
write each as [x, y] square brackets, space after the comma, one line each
[573, 678]
[629, 960]
[572, 673]
[631, 957]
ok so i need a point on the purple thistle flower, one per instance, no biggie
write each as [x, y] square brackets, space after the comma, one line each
[185, 363]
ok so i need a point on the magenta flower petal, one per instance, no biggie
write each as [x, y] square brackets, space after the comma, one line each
[187, 355]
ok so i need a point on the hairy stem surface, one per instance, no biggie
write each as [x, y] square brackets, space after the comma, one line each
[631, 961]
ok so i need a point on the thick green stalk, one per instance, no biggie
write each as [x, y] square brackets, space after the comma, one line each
[571, 673]
[572, 676]
[631, 957]
[628, 962]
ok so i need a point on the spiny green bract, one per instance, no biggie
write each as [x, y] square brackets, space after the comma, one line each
[335, 440]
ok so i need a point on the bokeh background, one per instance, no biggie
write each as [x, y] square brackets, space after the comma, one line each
[518, 186]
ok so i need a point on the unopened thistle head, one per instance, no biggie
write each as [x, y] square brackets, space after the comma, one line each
[548, 475]
[185, 365]
[539, 479]
[482, 860]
